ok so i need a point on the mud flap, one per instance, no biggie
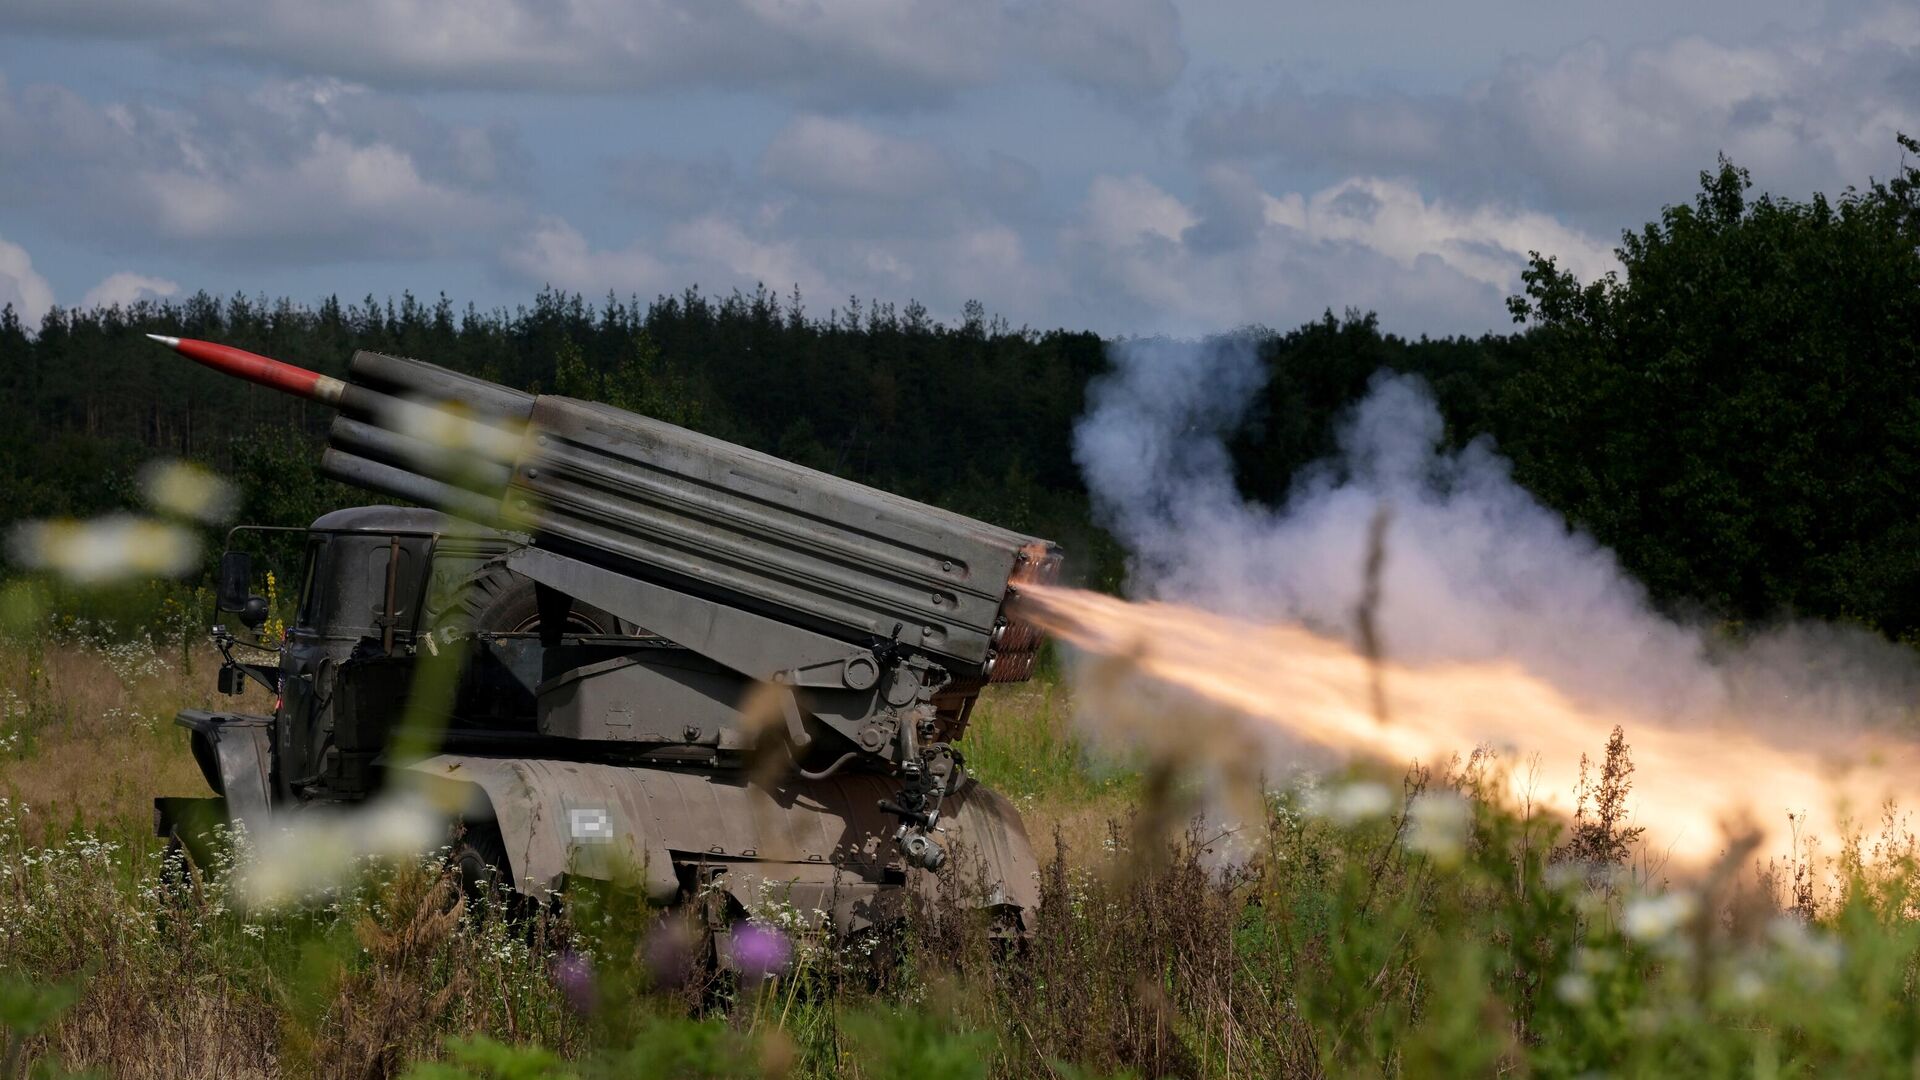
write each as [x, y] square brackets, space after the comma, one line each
[194, 824]
[992, 864]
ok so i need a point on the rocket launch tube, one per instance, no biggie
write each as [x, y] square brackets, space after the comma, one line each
[472, 471]
[349, 468]
[412, 379]
[637, 497]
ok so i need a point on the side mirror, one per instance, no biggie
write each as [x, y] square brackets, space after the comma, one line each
[236, 581]
[253, 614]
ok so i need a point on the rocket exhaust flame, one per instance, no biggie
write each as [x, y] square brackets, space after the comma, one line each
[1495, 621]
[1690, 786]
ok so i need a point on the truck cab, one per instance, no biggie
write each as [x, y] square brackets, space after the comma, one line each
[370, 582]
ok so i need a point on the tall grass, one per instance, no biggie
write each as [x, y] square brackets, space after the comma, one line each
[1407, 925]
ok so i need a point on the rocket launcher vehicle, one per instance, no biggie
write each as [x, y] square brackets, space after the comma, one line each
[878, 619]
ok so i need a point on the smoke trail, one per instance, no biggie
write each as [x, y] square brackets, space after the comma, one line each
[1476, 570]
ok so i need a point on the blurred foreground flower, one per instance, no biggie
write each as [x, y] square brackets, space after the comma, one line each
[1812, 950]
[759, 951]
[1437, 825]
[1350, 804]
[188, 490]
[1654, 918]
[103, 550]
[573, 976]
[1574, 988]
[305, 856]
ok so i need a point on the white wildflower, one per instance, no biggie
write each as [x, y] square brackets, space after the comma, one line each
[1350, 804]
[320, 851]
[1574, 988]
[1655, 918]
[1816, 952]
[1746, 986]
[1437, 825]
[118, 547]
[188, 490]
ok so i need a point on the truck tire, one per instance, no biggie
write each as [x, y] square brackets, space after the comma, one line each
[498, 600]
[478, 859]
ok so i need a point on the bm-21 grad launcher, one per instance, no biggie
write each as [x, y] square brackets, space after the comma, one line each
[694, 607]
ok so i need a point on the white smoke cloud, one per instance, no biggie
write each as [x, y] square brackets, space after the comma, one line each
[1476, 569]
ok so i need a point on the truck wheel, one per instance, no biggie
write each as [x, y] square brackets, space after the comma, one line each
[479, 857]
[497, 600]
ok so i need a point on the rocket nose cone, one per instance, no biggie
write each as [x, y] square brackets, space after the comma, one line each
[169, 342]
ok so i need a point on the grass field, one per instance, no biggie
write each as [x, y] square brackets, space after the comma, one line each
[1367, 924]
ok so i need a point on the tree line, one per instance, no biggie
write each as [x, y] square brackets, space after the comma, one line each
[1735, 413]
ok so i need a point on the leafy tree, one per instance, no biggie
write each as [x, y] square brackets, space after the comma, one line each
[1736, 413]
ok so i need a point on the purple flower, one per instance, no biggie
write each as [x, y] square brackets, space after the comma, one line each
[759, 951]
[573, 975]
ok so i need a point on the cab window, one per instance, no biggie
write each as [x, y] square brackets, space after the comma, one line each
[310, 593]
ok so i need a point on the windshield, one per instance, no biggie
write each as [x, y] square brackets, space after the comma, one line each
[310, 595]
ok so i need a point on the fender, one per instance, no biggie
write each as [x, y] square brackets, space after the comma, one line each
[821, 846]
[556, 818]
[234, 751]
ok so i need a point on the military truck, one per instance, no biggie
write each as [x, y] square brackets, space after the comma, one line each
[672, 656]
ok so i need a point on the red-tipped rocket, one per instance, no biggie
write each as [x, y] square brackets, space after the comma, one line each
[255, 368]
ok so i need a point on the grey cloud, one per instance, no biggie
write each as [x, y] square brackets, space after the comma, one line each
[833, 183]
[722, 251]
[1142, 260]
[1132, 258]
[1232, 211]
[1009, 177]
[834, 206]
[1608, 134]
[673, 184]
[288, 172]
[832, 179]
[827, 156]
[866, 51]
[1126, 46]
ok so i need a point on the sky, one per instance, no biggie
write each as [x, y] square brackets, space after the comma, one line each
[1124, 166]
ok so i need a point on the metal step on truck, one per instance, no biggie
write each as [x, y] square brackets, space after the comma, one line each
[662, 655]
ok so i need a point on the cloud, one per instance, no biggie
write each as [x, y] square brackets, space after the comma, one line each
[31, 296]
[834, 179]
[1126, 46]
[302, 171]
[124, 288]
[834, 206]
[1144, 260]
[823, 155]
[722, 251]
[1607, 133]
[554, 253]
[22, 287]
[776, 246]
[663, 182]
[888, 52]
[1132, 257]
